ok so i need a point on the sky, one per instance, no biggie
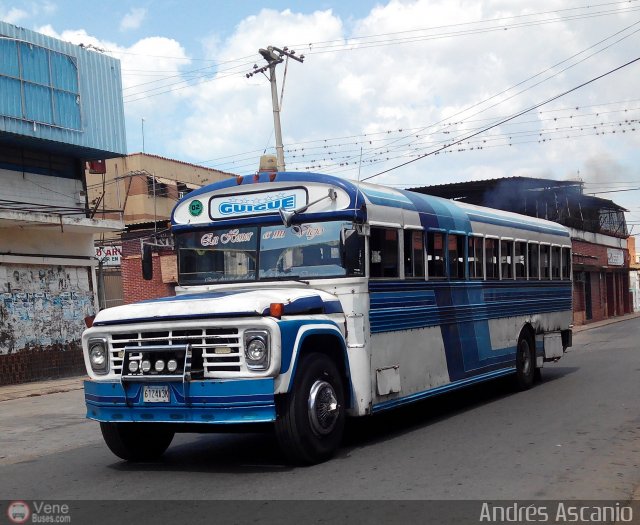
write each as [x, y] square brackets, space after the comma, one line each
[540, 89]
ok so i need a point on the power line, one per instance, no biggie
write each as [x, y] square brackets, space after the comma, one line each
[535, 76]
[516, 115]
[416, 39]
[612, 191]
[462, 24]
[329, 149]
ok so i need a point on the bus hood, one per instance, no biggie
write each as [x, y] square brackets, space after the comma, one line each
[243, 302]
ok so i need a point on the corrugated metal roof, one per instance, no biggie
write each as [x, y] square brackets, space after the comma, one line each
[99, 82]
[200, 166]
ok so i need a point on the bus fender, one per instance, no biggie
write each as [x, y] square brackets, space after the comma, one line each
[284, 381]
[527, 328]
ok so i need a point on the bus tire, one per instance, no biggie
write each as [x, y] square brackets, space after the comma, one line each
[311, 417]
[538, 376]
[136, 441]
[525, 363]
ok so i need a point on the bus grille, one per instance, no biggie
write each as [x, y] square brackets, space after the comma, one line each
[213, 349]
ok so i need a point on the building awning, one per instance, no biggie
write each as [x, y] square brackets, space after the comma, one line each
[173, 182]
[71, 223]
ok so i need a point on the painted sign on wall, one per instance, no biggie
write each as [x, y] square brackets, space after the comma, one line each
[42, 305]
[109, 255]
[615, 257]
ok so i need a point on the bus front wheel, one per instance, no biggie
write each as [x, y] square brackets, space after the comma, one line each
[136, 441]
[311, 417]
[525, 363]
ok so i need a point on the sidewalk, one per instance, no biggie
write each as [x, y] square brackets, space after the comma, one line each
[41, 388]
[612, 320]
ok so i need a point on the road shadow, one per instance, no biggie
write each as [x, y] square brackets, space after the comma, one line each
[394, 423]
[258, 453]
[212, 452]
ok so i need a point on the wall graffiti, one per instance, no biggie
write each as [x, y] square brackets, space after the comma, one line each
[42, 306]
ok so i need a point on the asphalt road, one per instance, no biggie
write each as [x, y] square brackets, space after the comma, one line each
[574, 436]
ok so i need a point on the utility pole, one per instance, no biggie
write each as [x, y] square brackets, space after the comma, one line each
[274, 56]
[143, 135]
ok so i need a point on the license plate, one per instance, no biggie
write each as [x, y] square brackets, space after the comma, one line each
[155, 394]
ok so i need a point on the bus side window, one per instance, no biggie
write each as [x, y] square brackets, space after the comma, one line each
[506, 259]
[491, 258]
[413, 254]
[555, 262]
[545, 262]
[383, 248]
[566, 263]
[475, 256]
[456, 256]
[521, 260]
[435, 255]
[534, 267]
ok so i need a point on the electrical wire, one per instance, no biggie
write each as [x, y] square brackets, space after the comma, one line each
[516, 115]
[391, 42]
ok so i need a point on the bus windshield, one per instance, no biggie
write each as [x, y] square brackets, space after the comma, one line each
[301, 251]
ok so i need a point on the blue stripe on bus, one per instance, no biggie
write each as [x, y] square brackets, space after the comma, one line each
[392, 199]
[401, 305]
[462, 310]
[213, 393]
[439, 213]
[520, 224]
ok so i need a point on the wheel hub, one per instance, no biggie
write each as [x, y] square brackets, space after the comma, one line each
[324, 409]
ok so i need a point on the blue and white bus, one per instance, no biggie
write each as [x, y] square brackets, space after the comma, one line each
[304, 299]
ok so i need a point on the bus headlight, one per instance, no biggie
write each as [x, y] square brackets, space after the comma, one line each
[99, 355]
[256, 349]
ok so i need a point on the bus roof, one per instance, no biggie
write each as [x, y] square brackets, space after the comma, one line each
[427, 211]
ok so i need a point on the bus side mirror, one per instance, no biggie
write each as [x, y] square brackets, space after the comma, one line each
[147, 262]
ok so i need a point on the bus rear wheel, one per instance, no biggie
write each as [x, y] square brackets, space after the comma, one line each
[311, 418]
[525, 363]
[137, 441]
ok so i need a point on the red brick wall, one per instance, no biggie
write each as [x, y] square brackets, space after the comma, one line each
[589, 254]
[37, 364]
[135, 288]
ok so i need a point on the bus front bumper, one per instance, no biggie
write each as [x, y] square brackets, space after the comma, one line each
[206, 402]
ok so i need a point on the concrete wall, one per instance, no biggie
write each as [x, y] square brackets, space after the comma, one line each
[42, 305]
[634, 290]
[41, 189]
[44, 243]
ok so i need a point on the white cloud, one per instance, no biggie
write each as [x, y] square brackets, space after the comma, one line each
[424, 87]
[13, 15]
[133, 19]
[18, 15]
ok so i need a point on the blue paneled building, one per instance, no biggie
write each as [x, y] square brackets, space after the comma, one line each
[60, 106]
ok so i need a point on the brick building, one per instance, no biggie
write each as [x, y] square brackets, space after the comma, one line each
[634, 277]
[143, 189]
[165, 273]
[601, 260]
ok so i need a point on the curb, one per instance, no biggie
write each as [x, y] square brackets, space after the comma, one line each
[599, 324]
